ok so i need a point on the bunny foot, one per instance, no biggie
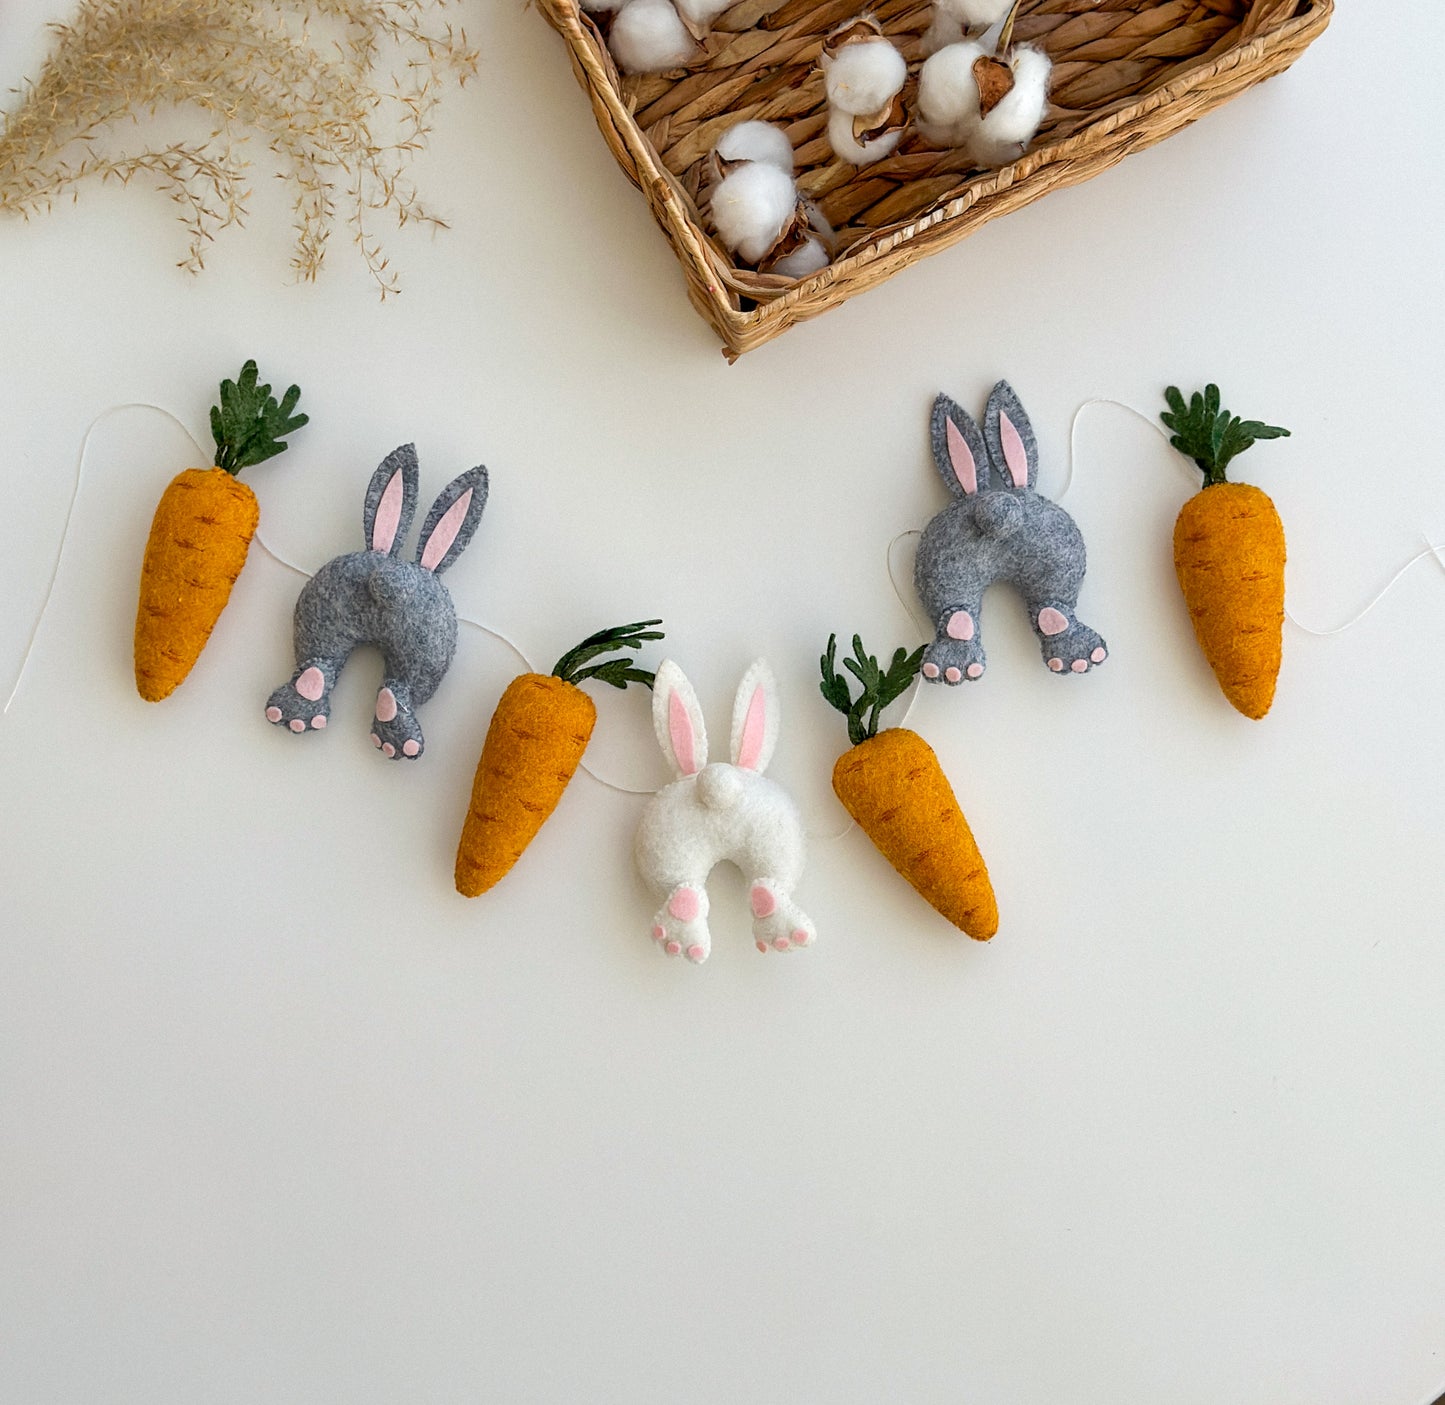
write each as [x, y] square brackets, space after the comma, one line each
[303, 704]
[1068, 646]
[954, 661]
[394, 729]
[680, 927]
[777, 923]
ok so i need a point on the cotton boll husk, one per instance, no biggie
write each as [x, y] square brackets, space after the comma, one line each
[648, 36]
[847, 147]
[864, 77]
[757, 141]
[701, 13]
[1004, 135]
[750, 206]
[948, 103]
[801, 262]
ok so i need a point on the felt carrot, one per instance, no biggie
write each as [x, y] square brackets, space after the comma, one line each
[540, 729]
[892, 785]
[1229, 552]
[201, 532]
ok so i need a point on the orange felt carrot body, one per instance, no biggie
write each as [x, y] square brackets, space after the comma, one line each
[201, 533]
[1229, 553]
[893, 786]
[535, 742]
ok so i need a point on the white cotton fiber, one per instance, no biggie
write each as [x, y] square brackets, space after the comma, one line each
[756, 141]
[952, 17]
[701, 13]
[1004, 135]
[801, 262]
[750, 206]
[649, 37]
[864, 77]
[848, 148]
[948, 107]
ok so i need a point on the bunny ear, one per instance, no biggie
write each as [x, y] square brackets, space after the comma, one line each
[958, 451]
[390, 501]
[755, 718]
[1010, 436]
[677, 720]
[452, 520]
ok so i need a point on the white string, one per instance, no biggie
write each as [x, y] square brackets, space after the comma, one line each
[260, 541]
[1369, 605]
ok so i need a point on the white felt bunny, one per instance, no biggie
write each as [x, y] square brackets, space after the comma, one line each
[720, 811]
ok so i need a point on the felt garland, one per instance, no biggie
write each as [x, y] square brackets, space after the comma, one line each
[1229, 552]
[893, 786]
[726, 810]
[997, 528]
[374, 597]
[535, 742]
[201, 532]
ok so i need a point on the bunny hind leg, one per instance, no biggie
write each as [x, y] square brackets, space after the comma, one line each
[680, 924]
[778, 923]
[304, 704]
[956, 654]
[394, 729]
[1068, 645]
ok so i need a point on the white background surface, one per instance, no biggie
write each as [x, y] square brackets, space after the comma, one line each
[283, 1119]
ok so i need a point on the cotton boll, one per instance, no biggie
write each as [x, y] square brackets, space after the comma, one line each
[751, 206]
[649, 37]
[948, 101]
[1004, 135]
[863, 76]
[952, 19]
[847, 147]
[756, 141]
[701, 13]
[808, 259]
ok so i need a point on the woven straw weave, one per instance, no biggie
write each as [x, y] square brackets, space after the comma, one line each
[1127, 73]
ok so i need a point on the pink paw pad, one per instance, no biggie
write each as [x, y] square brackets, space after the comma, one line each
[684, 904]
[1079, 665]
[960, 625]
[672, 948]
[388, 748]
[385, 705]
[802, 938]
[763, 947]
[296, 725]
[410, 748]
[975, 670]
[695, 953]
[1099, 655]
[764, 904]
[658, 931]
[780, 943]
[1057, 665]
[273, 714]
[1052, 621]
[952, 674]
[375, 740]
[930, 670]
[311, 684]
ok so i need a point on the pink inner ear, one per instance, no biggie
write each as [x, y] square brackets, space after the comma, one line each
[1014, 453]
[755, 726]
[445, 531]
[679, 728]
[388, 515]
[961, 457]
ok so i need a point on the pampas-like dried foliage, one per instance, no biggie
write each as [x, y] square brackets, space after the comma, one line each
[341, 91]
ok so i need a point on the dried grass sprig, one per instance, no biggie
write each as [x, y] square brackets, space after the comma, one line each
[341, 91]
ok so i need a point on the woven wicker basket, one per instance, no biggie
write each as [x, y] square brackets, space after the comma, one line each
[1127, 73]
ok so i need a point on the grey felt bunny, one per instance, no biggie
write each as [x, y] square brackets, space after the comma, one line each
[997, 528]
[374, 597]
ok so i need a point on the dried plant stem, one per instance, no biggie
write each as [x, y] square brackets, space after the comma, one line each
[342, 92]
